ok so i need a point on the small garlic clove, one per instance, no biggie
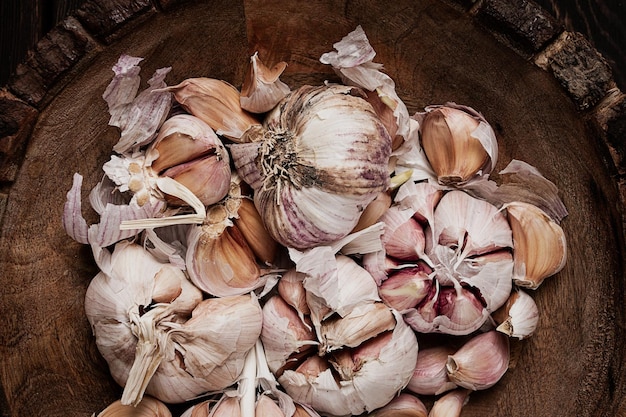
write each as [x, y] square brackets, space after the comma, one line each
[226, 407]
[147, 407]
[362, 323]
[404, 405]
[217, 103]
[518, 317]
[266, 407]
[539, 244]
[250, 224]
[404, 237]
[405, 288]
[284, 333]
[291, 289]
[450, 404]
[373, 212]
[219, 260]
[480, 362]
[262, 89]
[458, 142]
[430, 376]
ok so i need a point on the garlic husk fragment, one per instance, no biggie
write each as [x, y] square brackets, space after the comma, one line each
[430, 376]
[217, 103]
[450, 404]
[321, 159]
[540, 247]
[518, 317]
[187, 150]
[480, 362]
[458, 142]
[404, 405]
[384, 368]
[262, 89]
[148, 407]
[137, 116]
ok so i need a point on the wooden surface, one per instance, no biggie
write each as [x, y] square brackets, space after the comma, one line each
[436, 52]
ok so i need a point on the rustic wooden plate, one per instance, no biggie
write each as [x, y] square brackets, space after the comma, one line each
[436, 52]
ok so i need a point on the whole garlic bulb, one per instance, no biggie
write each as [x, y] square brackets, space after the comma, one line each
[322, 158]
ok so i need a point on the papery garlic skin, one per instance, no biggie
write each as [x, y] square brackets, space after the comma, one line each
[262, 89]
[321, 160]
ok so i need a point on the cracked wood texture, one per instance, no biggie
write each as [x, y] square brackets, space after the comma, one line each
[436, 52]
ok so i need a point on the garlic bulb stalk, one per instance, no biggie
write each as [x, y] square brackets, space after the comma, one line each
[321, 159]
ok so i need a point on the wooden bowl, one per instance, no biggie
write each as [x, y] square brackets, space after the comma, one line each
[557, 117]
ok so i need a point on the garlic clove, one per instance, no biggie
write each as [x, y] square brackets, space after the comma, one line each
[404, 237]
[291, 289]
[450, 404]
[518, 317]
[262, 89]
[373, 212]
[266, 407]
[219, 260]
[539, 243]
[362, 323]
[217, 103]
[226, 407]
[249, 222]
[458, 142]
[147, 407]
[421, 197]
[430, 376]
[284, 333]
[312, 367]
[481, 362]
[404, 405]
[405, 288]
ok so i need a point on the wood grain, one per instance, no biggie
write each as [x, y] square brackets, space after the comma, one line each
[574, 365]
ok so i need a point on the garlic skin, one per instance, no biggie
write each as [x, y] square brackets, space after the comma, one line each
[481, 362]
[539, 242]
[458, 142]
[187, 150]
[262, 89]
[148, 407]
[518, 317]
[320, 161]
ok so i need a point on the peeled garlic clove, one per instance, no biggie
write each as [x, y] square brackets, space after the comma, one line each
[262, 89]
[404, 405]
[284, 333]
[518, 317]
[404, 237]
[458, 142]
[320, 161]
[362, 323]
[219, 260]
[480, 362]
[539, 243]
[249, 222]
[291, 289]
[450, 404]
[217, 103]
[266, 407]
[405, 288]
[148, 407]
[430, 376]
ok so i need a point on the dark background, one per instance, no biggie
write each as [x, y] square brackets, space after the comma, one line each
[603, 22]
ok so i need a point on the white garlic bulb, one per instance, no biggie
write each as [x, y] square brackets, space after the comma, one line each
[321, 159]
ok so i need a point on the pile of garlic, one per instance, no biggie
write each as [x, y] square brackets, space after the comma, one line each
[281, 252]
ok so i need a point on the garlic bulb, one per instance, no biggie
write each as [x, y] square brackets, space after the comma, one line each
[147, 407]
[320, 161]
[152, 328]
